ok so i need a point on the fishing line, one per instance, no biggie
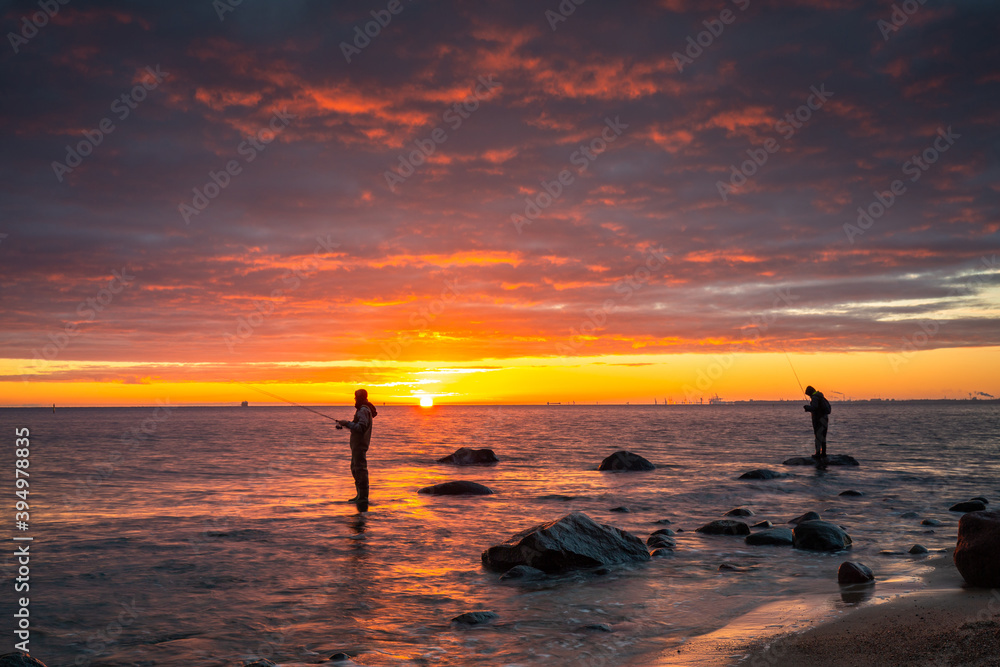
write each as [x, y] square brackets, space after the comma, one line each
[304, 407]
[793, 369]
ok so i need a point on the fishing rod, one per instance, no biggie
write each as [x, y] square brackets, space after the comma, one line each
[304, 407]
[790, 365]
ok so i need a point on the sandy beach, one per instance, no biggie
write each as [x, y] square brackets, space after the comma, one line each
[944, 624]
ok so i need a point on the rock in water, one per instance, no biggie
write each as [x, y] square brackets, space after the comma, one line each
[460, 488]
[572, 542]
[854, 573]
[773, 536]
[740, 511]
[820, 536]
[625, 461]
[835, 460]
[763, 524]
[808, 516]
[660, 541]
[918, 549]
[977, 554]
[522, 573]
[968, 506]
[466, 456]
[930, 522]
[851, 492]
[725, 527]
[18, 659]
[980, 499]
[476, 617]
[762, 473]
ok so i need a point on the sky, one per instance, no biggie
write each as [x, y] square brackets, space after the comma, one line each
[512, 202]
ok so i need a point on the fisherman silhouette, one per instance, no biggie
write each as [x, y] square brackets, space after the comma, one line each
[361, 437]
[820, 409]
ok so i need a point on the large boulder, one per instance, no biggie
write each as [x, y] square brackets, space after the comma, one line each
[625, 461]
[459, 488]
[834, 460]
[572, 542]
[851, 572]
[820, 535]
[18, 659]
[725, 527]
[977, 554]
[763, 473]
[466, 456]
[771, 536]
[968, 506]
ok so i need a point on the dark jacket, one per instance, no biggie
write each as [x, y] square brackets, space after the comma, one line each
[361, 428]
[819, 407]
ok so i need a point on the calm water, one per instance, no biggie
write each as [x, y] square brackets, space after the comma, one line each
[221, 535]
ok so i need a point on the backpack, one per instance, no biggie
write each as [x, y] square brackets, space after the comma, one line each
[824, 404]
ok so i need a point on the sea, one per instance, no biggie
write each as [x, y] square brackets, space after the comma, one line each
[166, 535]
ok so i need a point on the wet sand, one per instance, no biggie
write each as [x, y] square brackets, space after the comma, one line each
[945, 624]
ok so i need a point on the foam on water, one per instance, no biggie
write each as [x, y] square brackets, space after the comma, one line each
[223, 536]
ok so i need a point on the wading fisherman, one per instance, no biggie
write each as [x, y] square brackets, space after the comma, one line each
[820, 409]
[361, 438]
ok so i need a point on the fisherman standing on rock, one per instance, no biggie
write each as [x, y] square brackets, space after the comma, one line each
[820, 409]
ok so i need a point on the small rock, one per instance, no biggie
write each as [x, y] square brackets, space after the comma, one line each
[854, 573]
[466, 456]
[908, 515]
[663, 531]
[476, 617]
[620, 508]
[808, 516]
[522, 573]
[918, 549]
[981, 499]
[851, 492]
[661, 553]
[763, 524]
[740, 511]
[968, 506]
[762, 473]
[930, 522]
[729, 567]
[661, 541]
[725, 527]
[773, 537]
[820, 536]
[459, 488]
[663, 522]
[597, 627]
[680, 530]
[339, 657]
[977, 552]
[625, 461]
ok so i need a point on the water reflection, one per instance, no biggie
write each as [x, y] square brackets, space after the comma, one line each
[857, 593]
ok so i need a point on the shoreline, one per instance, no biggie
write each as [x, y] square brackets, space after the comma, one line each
[942, 624]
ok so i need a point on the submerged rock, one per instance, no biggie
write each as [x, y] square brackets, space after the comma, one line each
[930, 522]
[729, 567]
[968, 506]
[977, 554]
[661, 541]
[574, 541]
[763, 473]
[773, 537]
[620, 508]
[625, 461]
[663, 522]
[466, 456]
[808, 516]
[740, 511]
[522, 573]
[476, 618]
[851, 492]
[820, 536]
[763, 524]
[663, 531]
[980, 499]
[725, 527]
[339, 657]
[597, 627]
[661, 553]
[459, 488]
[918, 549]
[851, 572]
[834, 460]
[18, 659]
[263, 662]
[908, 515]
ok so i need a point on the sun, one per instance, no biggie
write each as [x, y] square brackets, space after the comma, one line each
[426, 401]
